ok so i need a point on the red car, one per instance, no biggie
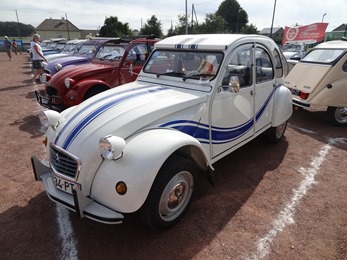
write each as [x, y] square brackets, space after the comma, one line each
[116, 63]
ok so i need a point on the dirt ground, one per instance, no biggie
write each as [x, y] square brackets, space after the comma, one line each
[283, 201]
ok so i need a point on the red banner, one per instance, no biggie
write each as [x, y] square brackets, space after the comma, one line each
[311, 33]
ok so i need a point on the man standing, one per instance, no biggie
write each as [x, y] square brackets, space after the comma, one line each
[37, 56]
[8, 46]
[14, 46]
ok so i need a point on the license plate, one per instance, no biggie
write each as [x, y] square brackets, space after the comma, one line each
[295, 92]
[63, 184]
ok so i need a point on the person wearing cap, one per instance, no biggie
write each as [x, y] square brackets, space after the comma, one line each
[37, 56]
[8, 46]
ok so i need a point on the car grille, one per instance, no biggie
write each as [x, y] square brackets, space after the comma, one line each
[50, 91]
[64, 163]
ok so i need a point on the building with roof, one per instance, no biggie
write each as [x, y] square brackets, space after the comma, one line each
[277, 33]
[62, 28]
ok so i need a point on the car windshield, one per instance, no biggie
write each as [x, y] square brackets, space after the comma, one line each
[323, 55]
[186, 64]
[291, 47]
[110, 52]
[69, 47]
[86, 50]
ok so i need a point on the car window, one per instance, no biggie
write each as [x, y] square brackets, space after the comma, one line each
[239, 67]
[278, 63]
[138, 54]
[344, 66]
[323, 55]
[110, 52]
[264, 68]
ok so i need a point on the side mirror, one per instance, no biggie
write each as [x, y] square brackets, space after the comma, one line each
[131, 70]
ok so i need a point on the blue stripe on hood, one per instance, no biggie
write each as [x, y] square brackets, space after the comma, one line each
[101, 109]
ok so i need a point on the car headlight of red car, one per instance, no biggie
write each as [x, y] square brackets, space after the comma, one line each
[69, 83]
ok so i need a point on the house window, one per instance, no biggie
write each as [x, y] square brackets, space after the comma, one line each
[59, 35]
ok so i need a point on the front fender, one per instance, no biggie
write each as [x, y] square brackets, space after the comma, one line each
[76, 95]
[143, 156]
[283, 106]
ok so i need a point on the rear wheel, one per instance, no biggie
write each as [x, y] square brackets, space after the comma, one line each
[338, 115]
[275, 134]
[171, 193]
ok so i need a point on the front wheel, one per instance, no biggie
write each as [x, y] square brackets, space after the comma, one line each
[275, 134]
[171, 193]
[338, 115]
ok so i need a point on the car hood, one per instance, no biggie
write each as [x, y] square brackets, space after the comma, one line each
[65, 61]
[124, 110]
[55, 56]
[80, 72]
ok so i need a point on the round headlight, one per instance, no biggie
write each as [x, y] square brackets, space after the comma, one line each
[49, 118]
[111, 147]
[58, 66]
[69, 83]
[43, 64]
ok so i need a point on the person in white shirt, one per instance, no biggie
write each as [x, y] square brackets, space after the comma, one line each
[37, 56]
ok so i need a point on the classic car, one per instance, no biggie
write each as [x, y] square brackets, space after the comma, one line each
[69, 49]
[319, 81]
[116, 63]
[141, 146]
[85, 54]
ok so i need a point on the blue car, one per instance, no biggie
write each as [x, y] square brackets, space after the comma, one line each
[85, 54]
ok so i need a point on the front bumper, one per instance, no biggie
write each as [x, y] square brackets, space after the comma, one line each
[79, 203]
[57, 105]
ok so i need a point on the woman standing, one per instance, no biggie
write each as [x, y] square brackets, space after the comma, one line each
[37, 56]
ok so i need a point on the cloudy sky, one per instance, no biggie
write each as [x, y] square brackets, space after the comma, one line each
[91, 14]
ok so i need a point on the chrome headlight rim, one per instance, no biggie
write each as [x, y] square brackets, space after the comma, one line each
[111, 147]
[69, 83]
[49, 118]
[58, 66]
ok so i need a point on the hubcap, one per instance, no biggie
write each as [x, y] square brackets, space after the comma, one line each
[341, 114]
[176, 196]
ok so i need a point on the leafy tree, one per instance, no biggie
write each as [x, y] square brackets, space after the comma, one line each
[114, 28]
[11, 29]
[249, 29]
[153, 26]
[213, 24]
[236, 18]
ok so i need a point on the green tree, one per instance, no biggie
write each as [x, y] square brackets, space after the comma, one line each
[236, 18]
[213, 24]
[114, 28]
[249, 29]
[11, 29]
[153, 26]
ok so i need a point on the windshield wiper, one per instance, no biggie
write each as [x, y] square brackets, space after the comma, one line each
[171, 73]
[198, 75]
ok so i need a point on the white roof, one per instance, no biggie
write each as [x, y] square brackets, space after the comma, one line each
[338, 44]
[204, 41]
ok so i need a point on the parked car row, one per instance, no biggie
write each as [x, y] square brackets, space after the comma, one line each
[172, 109]
[99, 65]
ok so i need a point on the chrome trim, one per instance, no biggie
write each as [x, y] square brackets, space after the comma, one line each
[71, 156]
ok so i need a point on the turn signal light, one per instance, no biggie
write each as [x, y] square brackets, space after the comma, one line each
[121, 188]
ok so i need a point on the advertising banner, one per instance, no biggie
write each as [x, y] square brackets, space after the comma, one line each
[311, 33]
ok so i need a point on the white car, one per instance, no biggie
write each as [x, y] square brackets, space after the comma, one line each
[139, 146]
[319, 81]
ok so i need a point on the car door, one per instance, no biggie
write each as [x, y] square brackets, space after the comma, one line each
[136, 57]
[233, 105]
[264, 87]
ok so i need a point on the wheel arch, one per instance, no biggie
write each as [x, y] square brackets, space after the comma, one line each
[143, 157]
[282, 106]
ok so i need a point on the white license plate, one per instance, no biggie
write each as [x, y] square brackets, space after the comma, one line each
[63, 184]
